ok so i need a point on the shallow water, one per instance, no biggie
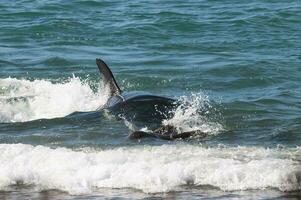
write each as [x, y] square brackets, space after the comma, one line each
[234, 66]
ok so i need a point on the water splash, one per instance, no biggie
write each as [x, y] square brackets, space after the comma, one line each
[195, 112]
[24, 100]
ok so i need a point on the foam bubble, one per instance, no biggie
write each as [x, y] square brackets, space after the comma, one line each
[150, 169]
[195, 112]
[25, 100]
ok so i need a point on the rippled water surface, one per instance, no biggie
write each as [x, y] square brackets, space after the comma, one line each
[234, 67]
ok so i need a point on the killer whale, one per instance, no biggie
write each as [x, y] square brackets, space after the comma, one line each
[141, 109]
[135, 106]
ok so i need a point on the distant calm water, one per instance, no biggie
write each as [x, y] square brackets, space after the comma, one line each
[235, 66]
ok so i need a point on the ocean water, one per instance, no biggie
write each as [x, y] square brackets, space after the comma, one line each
[234, 66]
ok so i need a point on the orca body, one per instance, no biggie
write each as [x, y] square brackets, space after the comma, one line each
[141, 109]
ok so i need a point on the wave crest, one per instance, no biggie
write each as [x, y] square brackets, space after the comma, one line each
[150, 169]
[24, 100]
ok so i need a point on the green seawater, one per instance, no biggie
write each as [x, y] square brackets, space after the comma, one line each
[236, 65]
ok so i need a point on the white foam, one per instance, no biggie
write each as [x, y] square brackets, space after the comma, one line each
[150, 169]
[44, 99]
[195, 112]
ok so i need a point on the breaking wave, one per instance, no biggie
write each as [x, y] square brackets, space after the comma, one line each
[150, 168]
[24, 100]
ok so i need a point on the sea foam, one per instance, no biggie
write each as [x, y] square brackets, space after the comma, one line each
[150, 169]
[25, 100]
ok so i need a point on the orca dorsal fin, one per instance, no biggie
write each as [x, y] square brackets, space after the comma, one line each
[108, 78]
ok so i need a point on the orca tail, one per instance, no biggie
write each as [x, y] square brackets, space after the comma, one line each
[107, 77]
